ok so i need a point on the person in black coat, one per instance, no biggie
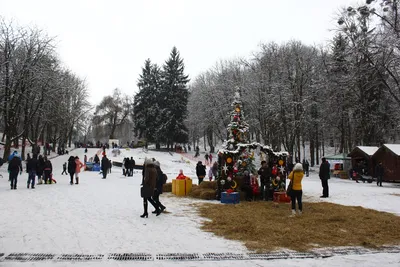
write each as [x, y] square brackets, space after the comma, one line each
[200, 171]
[265, 179]
[48, 170]
[127, 166]
[379, 172]
[104, 166]
[246, 186]
[161, 179]
[71, 168]
[131, 166]
[96, 159]
[15, 167]
[40, 169]
[31, 168]
[324, 175]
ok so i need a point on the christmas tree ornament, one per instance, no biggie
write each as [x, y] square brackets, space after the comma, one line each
[280, 162]
[229, 160]
[282, 169]
[225, 168]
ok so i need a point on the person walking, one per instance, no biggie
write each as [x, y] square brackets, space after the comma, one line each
[71, 169]
[324, 175]
[104, 166]
[296, 176]
[206, 158]
[213, 171]
[131, 166]
[379, 172]
[147, 190]
[126, 166]
[161, 180]
[31, 168]
[14, 167]
[200, 171]
[64, 169]
[48, 169]
[78, 168]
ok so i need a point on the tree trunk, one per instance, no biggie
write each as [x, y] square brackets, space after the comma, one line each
[23, 148]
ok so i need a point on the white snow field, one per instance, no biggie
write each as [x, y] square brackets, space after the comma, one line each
[101, 216]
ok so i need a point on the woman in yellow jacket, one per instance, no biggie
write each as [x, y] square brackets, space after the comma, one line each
[296, 176]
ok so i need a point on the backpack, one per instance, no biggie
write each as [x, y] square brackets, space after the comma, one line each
[164, 178]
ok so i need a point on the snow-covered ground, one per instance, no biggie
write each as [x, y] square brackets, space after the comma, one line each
[102, 216]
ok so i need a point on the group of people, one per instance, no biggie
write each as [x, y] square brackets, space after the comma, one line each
[201, 171]
[40, 167]
[127, 166]
[153, 180]
[74, 169]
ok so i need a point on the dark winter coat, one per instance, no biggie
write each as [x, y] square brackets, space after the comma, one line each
[105, 164]
[40, 167]
[160, 180]
[32, 165]
[96, 159]
[246, 180]
[48, 166]
[200, 170]
[265, 175]
[379, 171]
[324, 171]
[150, 180]
[15, 165]
[127, 163]
[71, 165]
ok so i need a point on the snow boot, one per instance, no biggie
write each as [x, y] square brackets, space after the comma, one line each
[145, 214]
[293, 213]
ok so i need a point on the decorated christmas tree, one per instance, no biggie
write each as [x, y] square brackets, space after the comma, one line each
[237, 153]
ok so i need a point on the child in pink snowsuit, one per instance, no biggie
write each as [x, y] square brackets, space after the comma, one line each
[78, 168]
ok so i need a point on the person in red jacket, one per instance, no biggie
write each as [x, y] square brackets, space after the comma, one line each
[181, 176]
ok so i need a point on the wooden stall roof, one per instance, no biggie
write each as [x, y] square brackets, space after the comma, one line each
[395, 148]
[368, 151]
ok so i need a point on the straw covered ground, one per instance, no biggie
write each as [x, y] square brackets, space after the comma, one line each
[266, 226]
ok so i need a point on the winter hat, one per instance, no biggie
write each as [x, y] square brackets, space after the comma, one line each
[199, 163]
[148, 161]
[298, 167]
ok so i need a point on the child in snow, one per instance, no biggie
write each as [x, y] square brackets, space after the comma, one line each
[181, 176]
[64, 169]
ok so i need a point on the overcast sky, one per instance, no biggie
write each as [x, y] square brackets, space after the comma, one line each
[107, 42]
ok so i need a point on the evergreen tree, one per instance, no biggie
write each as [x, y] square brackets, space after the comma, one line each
[173, 100]
[146, 114]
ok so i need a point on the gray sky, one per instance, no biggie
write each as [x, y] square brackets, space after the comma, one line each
[107, 42]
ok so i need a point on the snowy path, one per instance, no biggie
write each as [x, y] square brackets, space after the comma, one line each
[102, 217]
